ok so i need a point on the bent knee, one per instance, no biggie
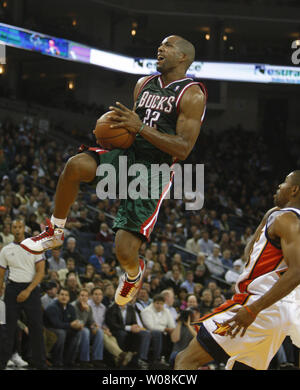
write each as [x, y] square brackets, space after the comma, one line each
[127, 246]
[81, 168]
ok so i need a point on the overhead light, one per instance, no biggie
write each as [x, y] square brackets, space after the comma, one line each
[71, 84]
[74, 22]
[298, 42]
[133, 32]
[2, 69]
[207, 37]
[225, 37]
[231, 48]
[4, 5]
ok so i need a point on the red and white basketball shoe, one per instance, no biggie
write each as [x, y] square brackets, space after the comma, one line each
[126, 290]
[52, 237]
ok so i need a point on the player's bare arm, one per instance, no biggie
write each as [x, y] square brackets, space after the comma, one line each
[187, 129]
[287, 228]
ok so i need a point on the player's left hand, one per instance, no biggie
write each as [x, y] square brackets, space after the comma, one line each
[125, 118]
[239, 322]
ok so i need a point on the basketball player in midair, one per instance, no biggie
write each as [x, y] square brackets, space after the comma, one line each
[247, 331]
[166, 118]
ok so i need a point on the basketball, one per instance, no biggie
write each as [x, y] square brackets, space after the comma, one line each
[112, 138]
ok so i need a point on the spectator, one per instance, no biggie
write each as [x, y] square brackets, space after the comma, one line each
[182, 296]
[60, 318]
[109, 295]
[72, 285]
[143, 299]
[56, 262]
[104, 234]
[107, 272]
[205, 243]
[224, 226]
[121, 358]
[91, 334]
[160, 322]
[122, 322]
[232, 275]
[97, 258]
[71, 251]
[226, 259]
[191, 301]
[6, 235]
[169, 302]
[162, 260]
[70, 267]
[189, 282]
[174, 281]
[183, 333]
[50, 294]
[88, 274]
[206, 301]
[246, 237]
[156, 285]
[214, 262]
[192, 244]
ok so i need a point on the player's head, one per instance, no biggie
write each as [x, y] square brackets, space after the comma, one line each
[174, 52]
[289, 190]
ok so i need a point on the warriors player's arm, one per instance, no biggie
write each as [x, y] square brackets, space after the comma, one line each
[286, 227]
[249, 246]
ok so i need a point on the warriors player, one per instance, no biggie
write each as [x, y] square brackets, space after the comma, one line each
[167, 115]
[248, 330]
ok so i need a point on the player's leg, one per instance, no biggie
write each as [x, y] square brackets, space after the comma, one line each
[127, 252]
[192, 357]
[79, 168]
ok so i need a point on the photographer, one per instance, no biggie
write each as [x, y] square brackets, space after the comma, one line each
[184, 331]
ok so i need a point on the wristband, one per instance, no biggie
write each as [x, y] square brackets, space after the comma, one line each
[250, 311]
[141, 128]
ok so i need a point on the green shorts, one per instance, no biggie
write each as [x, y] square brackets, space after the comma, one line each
[140, 195]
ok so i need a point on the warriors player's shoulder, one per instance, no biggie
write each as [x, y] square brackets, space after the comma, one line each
[285, 220]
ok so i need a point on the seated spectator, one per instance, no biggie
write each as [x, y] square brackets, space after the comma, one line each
[122, 323]
[109, 295]
[6, 235]
[72, 285]
[169, 298]
[88, 274]
[201, 274]
[70, 266]
[149, 258]
[56, 262]
[97, 258]
[224, 226]
[154, 249]
[72, 251]
[205, 243]
[182, 296]
[143, 299]
[206, 301]
[191, 301]
[91, 334]
[60, 318]
[192, 244]
[214, 262]
[155, 285]
[232, 275]
[104, 234]
[121, 358]
[34, 226]
[189, 282]
[183, 333]
[226, 259]
[162, 260]
[247, 236]
[50, 294]
[175, 279]
[107, 272]
[157, 318]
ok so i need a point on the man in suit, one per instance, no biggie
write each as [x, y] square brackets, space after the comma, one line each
[122, 322]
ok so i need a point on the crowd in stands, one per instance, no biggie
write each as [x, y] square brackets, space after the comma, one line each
[193, 258]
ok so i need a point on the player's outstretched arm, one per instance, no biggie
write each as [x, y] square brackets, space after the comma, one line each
[188, 125]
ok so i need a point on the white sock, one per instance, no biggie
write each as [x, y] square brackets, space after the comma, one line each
[58, 222]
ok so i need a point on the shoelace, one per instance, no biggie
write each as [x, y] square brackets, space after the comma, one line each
[126, 289]
[47, 233]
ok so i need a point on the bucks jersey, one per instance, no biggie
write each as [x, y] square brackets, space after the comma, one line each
[158, 106]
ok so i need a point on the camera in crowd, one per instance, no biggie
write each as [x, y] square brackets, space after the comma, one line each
[185, 314]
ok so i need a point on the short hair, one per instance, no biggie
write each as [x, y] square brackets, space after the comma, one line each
[64, 289]
[187, 48]
[158, 298]
[96, 288]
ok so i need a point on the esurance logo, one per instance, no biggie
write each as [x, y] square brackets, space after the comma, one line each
[277, 74]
